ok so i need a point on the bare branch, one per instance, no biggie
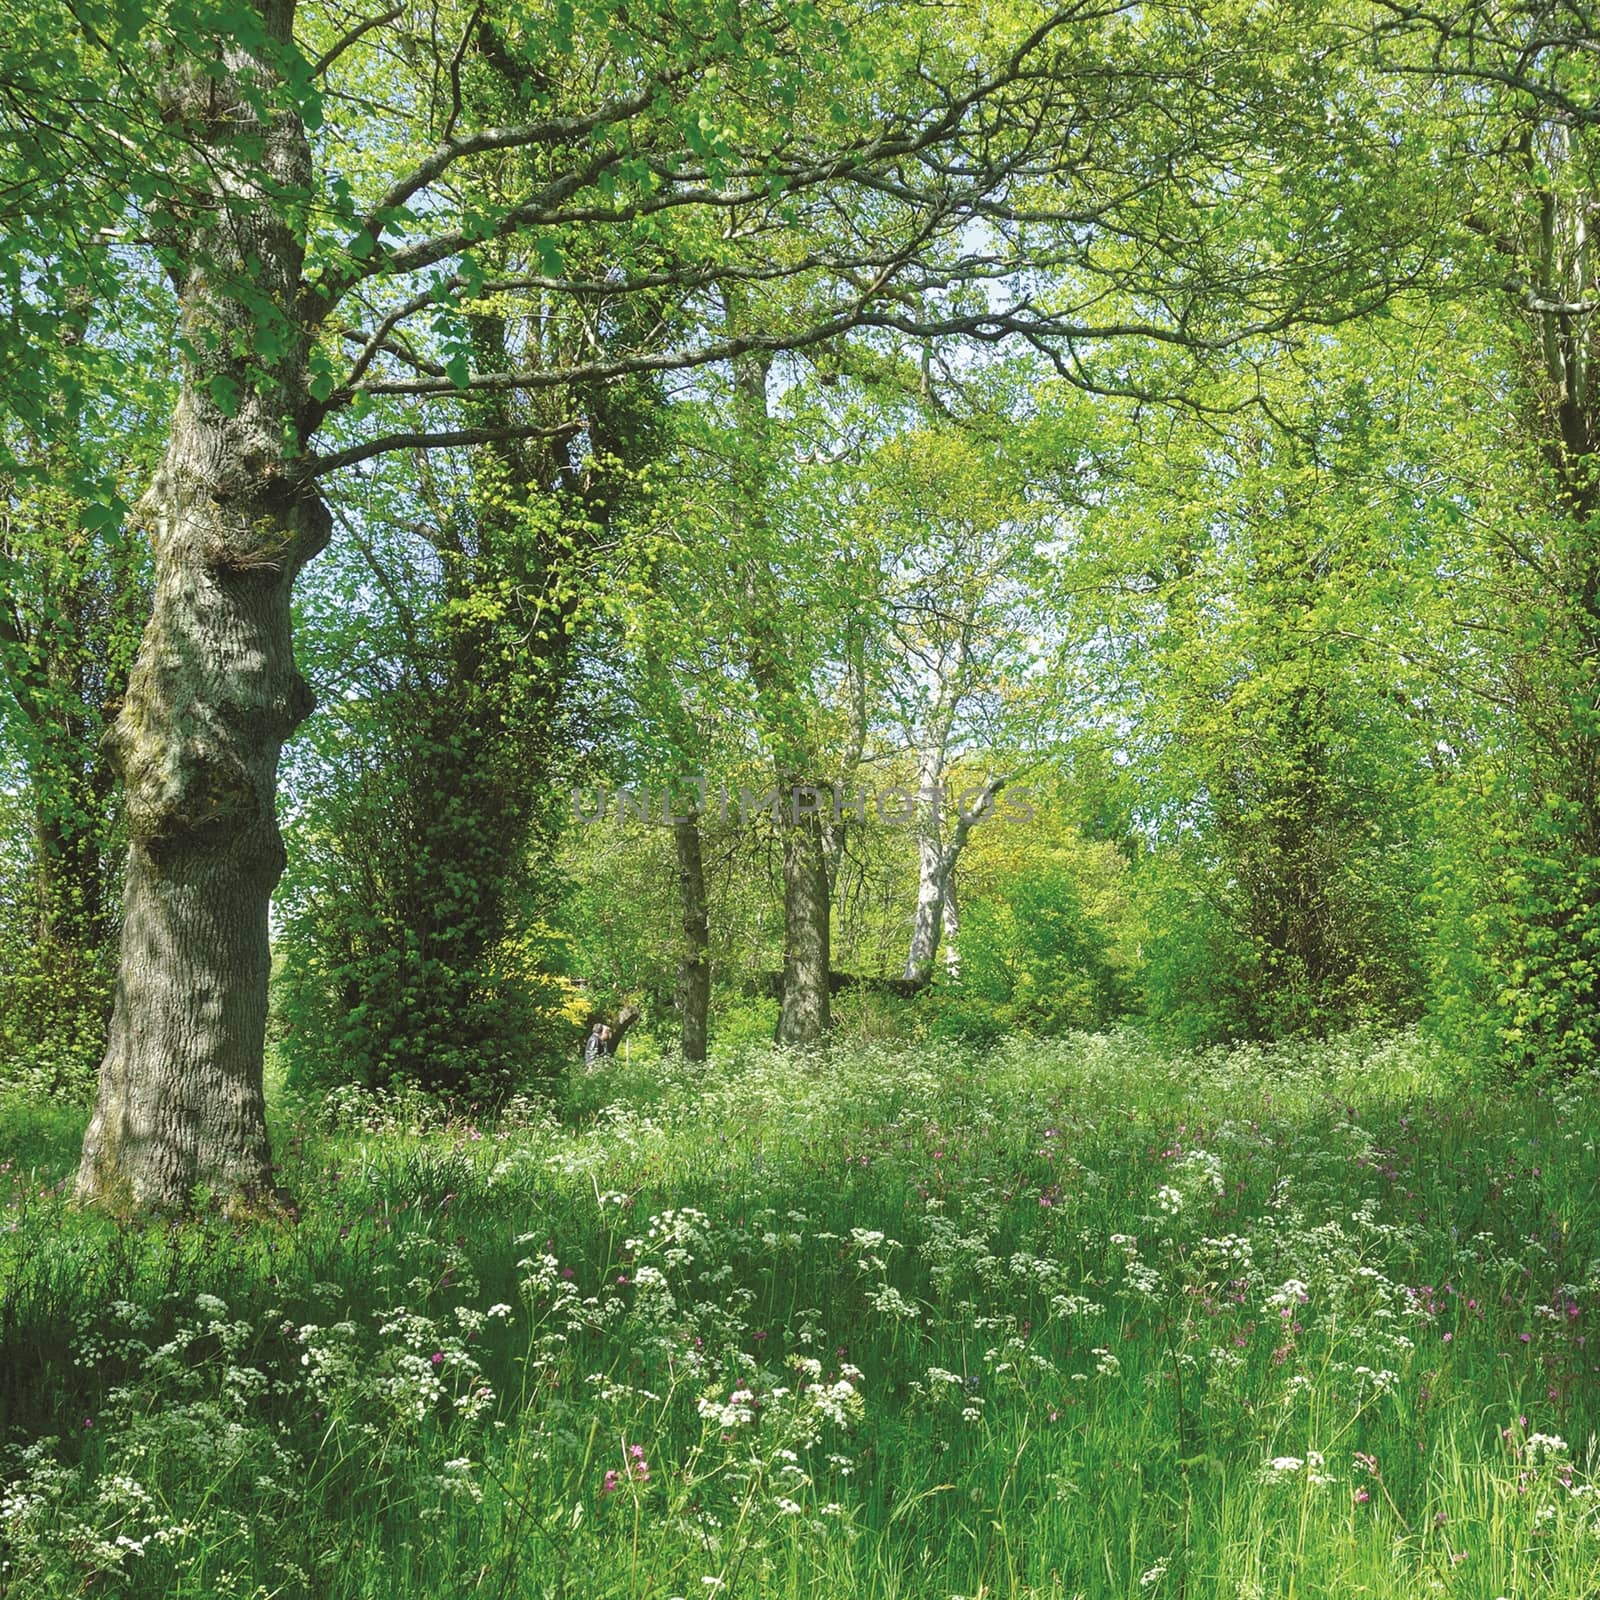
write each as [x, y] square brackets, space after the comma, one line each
[350, 37]
[443, 439]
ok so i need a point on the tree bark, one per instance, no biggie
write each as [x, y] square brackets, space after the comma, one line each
[936, 878]
[807, 931]
[925, 920]
[694, 971]
[952, 927]
[214, 691]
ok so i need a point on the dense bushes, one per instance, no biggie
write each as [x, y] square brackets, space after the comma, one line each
[1033, 959]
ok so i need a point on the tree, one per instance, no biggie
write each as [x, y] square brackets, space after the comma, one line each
[1525, 115]
[958, 541]
[702, 145]
[1266, 586]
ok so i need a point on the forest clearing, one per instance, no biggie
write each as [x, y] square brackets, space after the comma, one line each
[799, 798]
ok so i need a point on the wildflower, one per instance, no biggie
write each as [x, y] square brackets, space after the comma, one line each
[1362, 1497]
[437, 1358]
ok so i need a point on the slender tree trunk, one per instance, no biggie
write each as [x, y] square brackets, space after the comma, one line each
[936, 910]
[952, 925]
[807, 866]
[926, 919]
[214, 691]
[933, 868]
[694, 971]
[807, 917]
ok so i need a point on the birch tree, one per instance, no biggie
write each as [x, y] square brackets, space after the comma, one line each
[963, 622]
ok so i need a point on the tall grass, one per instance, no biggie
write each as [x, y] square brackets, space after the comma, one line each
[1060, 1320]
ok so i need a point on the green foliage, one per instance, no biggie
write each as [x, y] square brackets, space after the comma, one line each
[1259, 598]
[1548, 962]
[414, 946]
[743, 1019]
[1516, 982]
[74, 583]
[53, 1011]
[1034, 956]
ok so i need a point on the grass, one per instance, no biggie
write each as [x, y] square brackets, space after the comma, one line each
[1066, 1319]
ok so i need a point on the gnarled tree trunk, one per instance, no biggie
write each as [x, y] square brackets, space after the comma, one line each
[214, 691]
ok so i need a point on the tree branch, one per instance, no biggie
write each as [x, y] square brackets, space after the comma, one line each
[350, 37]
[443, 439]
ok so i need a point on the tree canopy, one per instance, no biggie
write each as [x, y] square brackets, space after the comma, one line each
[1160, 434]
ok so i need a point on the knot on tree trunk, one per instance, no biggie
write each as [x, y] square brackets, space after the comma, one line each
[192, 792]
[263, 522]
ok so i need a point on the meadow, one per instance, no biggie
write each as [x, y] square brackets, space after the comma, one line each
[1067, 1318]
